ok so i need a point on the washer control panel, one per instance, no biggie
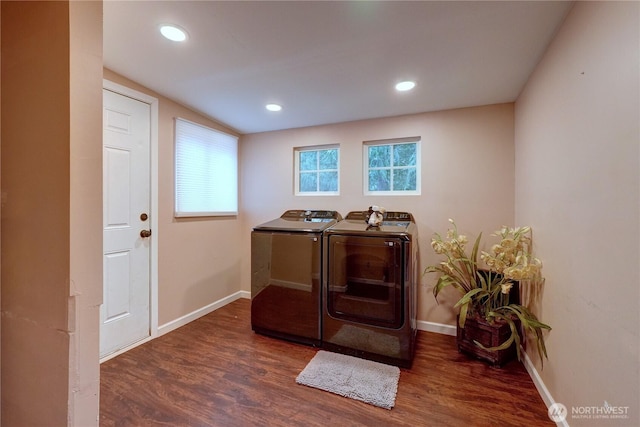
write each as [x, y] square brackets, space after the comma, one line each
[310, 215]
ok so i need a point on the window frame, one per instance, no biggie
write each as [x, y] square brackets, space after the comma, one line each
[391, 142]
[217, 136]
[296, 170]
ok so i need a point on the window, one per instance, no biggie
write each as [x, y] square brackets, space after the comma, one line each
[392, 166]
[206, 171]
[316, 170]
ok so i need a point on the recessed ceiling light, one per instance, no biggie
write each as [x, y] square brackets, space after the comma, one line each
[273, 107]
[406, 85]
[173, 33]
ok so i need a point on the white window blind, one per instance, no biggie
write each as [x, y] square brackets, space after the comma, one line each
[206, 171]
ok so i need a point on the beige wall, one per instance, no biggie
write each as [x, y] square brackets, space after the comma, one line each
[51, 237]
[577, 184]
[199, 259]
[467, 174]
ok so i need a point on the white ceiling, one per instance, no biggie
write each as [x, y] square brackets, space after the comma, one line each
[329, 61]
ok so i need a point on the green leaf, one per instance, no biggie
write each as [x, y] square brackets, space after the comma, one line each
[507, 343]
[463, 315]
[474, 251]
[464, 279]
[444, 281]
[466, 299]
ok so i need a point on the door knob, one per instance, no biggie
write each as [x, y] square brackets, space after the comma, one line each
[145, 233]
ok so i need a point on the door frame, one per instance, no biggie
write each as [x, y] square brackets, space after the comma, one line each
[153, 243]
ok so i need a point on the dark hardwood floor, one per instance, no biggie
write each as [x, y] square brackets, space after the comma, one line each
[216, 372]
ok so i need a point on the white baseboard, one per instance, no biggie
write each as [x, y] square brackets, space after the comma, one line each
[438, 328]
[181, 321]
[543, 391]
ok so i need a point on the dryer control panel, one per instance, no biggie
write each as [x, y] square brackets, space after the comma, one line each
[389, 216]
[398, 216]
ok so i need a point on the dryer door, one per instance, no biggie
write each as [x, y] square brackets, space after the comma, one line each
[364, 280]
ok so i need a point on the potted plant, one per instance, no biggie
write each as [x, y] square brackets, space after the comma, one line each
[486, 291]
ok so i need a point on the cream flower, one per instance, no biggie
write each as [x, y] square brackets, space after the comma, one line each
[508, 243]
[506, 287]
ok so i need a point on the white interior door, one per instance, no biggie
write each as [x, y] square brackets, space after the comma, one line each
[124, 314]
